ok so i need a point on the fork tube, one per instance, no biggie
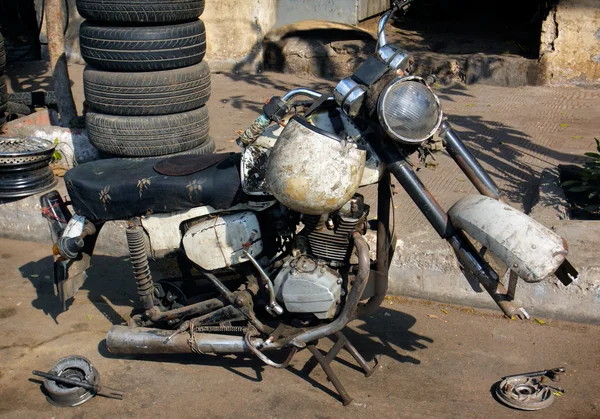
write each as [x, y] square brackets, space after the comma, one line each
[465, 252]
[468, 163]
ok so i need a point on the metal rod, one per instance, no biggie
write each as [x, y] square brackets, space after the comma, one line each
[422, 197]
[303, 92]
[468, 163]
[383, 247]
[100, 390]
[193, 309]
[346, 399]
[468, 256]
[472, 261]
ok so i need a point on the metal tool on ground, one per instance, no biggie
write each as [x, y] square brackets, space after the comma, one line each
[529, 391]
[72, 381]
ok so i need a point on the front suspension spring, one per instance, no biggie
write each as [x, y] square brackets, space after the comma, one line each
[139, 261]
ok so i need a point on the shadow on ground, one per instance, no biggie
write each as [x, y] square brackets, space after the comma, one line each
[110, 283]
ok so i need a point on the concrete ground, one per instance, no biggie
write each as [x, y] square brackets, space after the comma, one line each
[438, 361]
[434, 365]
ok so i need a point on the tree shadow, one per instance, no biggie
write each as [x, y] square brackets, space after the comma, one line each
[508, 154]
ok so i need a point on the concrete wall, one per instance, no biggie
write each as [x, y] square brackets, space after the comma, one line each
[570, 43]
[341, 11]
[235, 30]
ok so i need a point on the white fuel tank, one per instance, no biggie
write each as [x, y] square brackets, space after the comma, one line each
[218, 242]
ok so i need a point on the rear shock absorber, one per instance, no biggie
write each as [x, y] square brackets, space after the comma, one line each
[139, 261]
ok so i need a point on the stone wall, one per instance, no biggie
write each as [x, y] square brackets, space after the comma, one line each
[570, 43]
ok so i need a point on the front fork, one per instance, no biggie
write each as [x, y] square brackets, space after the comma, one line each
[469, 258]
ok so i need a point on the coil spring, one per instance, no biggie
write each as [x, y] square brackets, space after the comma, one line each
[139, 262]
[242, 329]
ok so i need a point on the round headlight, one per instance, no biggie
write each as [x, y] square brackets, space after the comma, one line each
[409, 111]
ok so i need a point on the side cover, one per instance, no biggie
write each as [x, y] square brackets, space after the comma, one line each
[218, 242]
[531, 250]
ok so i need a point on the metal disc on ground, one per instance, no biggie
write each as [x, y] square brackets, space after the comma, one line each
[75, 368]
[524, 393]
[24, 166]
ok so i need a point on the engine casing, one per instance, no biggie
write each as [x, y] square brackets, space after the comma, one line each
[306, 285]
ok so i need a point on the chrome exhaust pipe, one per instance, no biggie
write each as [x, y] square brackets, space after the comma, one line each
[141, 340]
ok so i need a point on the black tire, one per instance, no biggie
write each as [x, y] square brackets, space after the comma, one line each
[208, 147]
[147, 93]
[3, 101]
[145, 48]
[140, 11]
[139, 136]
[2, 56]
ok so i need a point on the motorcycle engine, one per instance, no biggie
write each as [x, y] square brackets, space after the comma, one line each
[310, 280]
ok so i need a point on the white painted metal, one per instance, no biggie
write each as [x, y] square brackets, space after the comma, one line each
[218, 242]
[255, 156]
[74, 227]
[164, 230]
[312, 172]
[531, 250]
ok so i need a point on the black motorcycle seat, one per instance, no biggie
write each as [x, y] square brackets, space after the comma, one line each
[116, 189]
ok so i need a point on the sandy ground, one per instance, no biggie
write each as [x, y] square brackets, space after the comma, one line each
[438, 361]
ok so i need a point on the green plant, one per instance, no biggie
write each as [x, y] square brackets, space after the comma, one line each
[56, 156]
[589, 183]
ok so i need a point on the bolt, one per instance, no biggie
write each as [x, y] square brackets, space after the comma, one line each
[533, 246]
[339, 281]
[515, 265]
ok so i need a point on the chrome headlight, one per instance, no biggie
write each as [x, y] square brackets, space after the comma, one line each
[408, 110]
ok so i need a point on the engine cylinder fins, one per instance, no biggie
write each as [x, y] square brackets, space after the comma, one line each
[139, 261]
[329, 244]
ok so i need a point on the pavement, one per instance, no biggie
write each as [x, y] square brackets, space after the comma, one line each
[438, 361]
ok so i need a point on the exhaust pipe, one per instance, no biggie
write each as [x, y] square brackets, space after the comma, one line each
[141, 340]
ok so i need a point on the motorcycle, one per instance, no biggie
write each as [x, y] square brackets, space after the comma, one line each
[271, 241]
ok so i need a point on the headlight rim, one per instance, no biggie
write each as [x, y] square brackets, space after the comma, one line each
[381, 114]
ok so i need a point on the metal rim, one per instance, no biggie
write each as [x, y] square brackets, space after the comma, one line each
[25, 183]
[74, 367]
[37, 146]
[381, 110]
[524, 393]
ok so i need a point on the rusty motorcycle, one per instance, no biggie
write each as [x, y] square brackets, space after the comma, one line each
[271, 241]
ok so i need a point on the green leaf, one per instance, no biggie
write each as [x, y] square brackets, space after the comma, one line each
[594, 155]
[577, 137]
[592, 208]
[570, 183]
[564, 125]
[582, 188]
[540, 321]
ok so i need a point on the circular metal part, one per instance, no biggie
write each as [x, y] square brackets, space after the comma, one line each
[524, 393]
[350, 96]
[15, 151]
[21, 183]
[408, 110]
[396, 58]
[76, 368]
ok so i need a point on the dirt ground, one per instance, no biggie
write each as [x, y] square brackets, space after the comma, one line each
[438, 361]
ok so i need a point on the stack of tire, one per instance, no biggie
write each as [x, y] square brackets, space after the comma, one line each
[3, 93]
[146, 84]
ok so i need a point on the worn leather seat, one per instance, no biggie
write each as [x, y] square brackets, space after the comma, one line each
[123, 188]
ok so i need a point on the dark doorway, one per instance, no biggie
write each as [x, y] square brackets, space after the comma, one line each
[496, 27]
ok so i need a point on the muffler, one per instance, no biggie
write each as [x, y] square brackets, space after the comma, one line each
[141, 340]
